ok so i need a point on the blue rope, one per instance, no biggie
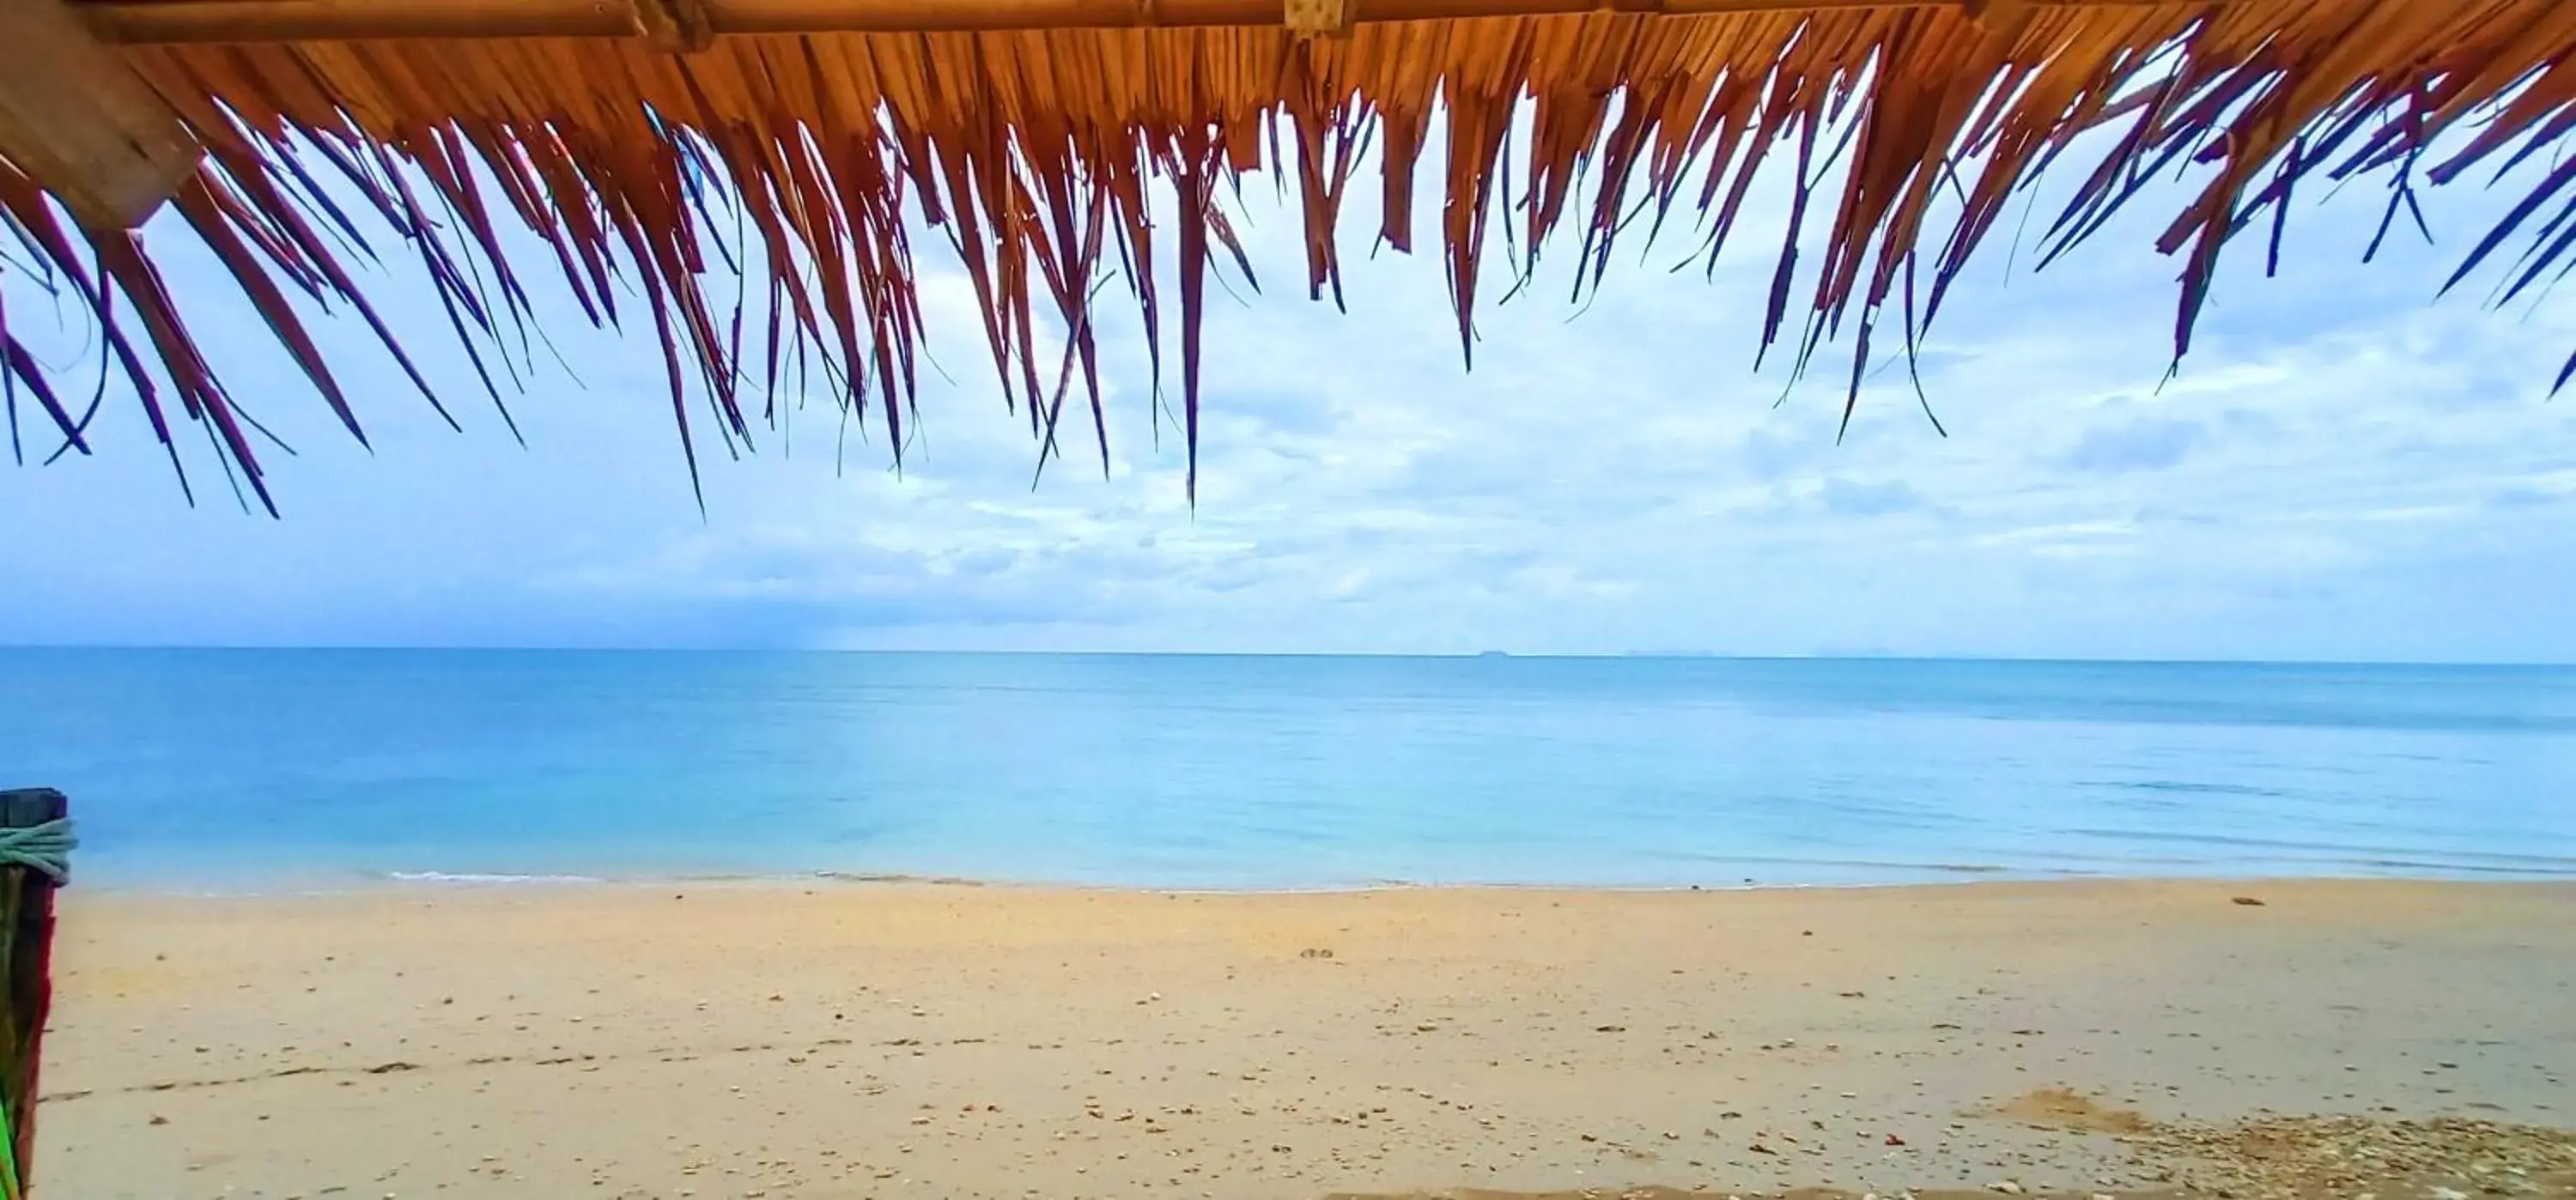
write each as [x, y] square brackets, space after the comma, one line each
[46, 847]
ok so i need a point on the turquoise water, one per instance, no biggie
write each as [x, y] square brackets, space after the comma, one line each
[275, 768]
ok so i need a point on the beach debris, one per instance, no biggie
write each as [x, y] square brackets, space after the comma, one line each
[2068, 1109]
[2006, 1186]
[2444, 1158]
[1315, 952]
[2246, 901]
[1894, 1140]
[1609, 1029]
[158, 1119]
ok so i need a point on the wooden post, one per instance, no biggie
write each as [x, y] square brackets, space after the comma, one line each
[26, 953]
[81, 123]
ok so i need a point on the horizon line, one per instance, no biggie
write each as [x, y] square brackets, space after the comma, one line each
[1425, 655]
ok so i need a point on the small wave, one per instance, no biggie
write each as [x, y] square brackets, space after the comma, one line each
[483, 877]
[2189, 787]
[893, 877]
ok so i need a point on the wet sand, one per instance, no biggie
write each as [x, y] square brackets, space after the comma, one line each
[890, 1039]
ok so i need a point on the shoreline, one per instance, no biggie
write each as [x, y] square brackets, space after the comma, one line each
[812, 1042]
[360, 883]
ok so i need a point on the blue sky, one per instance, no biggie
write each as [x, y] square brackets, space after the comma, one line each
[2343, 469]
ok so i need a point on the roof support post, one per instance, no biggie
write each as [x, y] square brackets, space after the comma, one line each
[675, 26]
[81, 123]
[1317, 18]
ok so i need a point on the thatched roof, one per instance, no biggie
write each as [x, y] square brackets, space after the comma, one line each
[1036, 135]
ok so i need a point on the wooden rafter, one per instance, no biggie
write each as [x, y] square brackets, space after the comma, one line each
[73, 114]
[204, 22]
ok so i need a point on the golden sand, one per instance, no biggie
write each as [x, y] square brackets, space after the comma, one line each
[854, 1040]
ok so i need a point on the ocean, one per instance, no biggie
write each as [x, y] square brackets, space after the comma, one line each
[260, 769]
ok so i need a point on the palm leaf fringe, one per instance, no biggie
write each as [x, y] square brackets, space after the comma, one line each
[1042, 155]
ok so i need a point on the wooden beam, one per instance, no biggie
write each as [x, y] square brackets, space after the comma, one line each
[81, 123]
[157, 22]
[182, 22]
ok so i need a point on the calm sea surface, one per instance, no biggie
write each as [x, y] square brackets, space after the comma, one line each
[225, 769]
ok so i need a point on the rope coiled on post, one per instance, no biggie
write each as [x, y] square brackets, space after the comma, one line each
[45, 847]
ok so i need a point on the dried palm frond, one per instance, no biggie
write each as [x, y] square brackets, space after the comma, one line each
[1042, 153]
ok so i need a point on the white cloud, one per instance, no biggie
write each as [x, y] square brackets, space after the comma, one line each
[2340, 470]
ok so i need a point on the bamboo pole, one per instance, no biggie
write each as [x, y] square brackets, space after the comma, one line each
[180, 22]
[26, 975]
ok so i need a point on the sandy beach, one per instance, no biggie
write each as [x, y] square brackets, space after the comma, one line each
[2353, 1039]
